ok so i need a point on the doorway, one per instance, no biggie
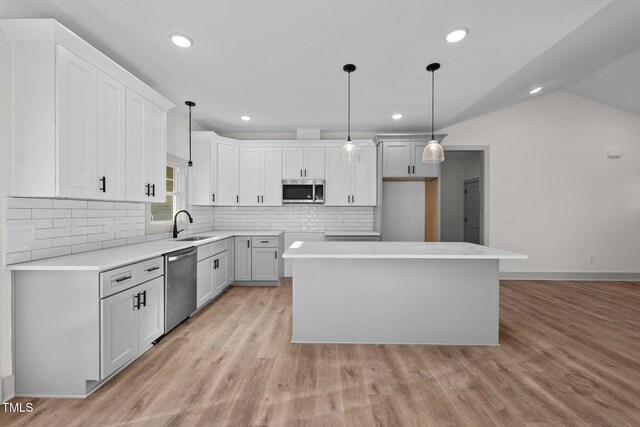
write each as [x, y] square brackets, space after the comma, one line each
[472, 211]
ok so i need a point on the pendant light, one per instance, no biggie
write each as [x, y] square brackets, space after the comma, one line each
[349, 149]
[433, 152]
[190, 104]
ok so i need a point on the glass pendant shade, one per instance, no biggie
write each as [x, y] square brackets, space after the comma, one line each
[433, 152]
[350, 152]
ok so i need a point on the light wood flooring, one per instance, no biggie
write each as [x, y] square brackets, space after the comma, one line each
[570, 355]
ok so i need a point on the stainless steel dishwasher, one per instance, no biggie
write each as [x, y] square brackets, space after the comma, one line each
[180, 286]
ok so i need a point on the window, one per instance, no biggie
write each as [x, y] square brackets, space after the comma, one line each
[164, 212]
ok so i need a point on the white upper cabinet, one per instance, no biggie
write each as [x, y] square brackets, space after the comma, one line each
[111, 133]
[96, 123]
[76, 107]
[404, 160]
[303, 163]
[260, 176]
[351, 184]
[203, 182]
[228, 175]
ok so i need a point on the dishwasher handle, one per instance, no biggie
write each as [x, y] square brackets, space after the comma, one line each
[176, 256]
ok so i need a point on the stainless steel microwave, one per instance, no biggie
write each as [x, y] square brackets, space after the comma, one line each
[303, 191]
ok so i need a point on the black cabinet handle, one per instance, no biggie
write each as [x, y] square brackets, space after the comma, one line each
[305, 173]
[353, 199]
[300, 172]
[136, 299]
[148, 192]
[264, 241]
[153, 268]
[258, 198]
[261, 199]
[248, 242]
[153, 190]
[276, 254]
[237, 199]
[103, 184]
[144, 298]
[348, 199]
[409, 169]
[123, 278]
[213, 197]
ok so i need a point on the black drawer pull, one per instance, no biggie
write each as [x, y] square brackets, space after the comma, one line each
[103, 182]
[153, 268]
[123, 278]
[148, 192]
[153, 190]
[136, 299]
[264, 241]
[144, 298]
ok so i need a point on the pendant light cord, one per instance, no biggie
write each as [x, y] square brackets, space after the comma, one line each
[190, 162]
[349, 109]
[433, 95]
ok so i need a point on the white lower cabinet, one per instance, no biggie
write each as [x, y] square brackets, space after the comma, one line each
[130, 321]
[243, 258]
[264, 264]
[231, 263]
[205, 281]
[220, 277]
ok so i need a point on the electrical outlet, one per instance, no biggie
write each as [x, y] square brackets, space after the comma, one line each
[71, 228]
[21, 233]
[124, 226]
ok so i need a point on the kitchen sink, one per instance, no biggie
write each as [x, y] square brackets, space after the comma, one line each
[195, 238]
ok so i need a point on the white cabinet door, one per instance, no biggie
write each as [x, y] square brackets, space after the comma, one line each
[110, 138]
[364, 178]
[243, 258]
[221, 275]
[151, 313]
[396, 159]
[228, 175]
[271, 177]
[156, 152]
[292, 163]
[337, 179]
[118, 331]
[314, 163]
[420, 169]
[76, 125]
[264, 264]
[136, 159]
[250, 177]
[200, 180]
[204, 288]
[231, 265]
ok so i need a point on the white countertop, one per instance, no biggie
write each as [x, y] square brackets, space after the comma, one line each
[106, 259]
[400, 250]
[352, 233]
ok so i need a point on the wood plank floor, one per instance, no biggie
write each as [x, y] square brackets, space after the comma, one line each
[570, 355]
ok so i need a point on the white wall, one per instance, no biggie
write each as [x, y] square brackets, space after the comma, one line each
[452, 176]
[553, 193]
[178, 132]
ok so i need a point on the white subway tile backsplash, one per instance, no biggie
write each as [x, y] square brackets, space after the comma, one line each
[50, 213]
[114, 243]
[86, 247]
[50, 253]
[101, 205]
[92, 213]
[69, 204]
[15, 213]
[68, 241]
[13, 202]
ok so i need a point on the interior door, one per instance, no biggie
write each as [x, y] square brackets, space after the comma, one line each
[271, 170]
[76, 125]
[337, 190]
[151, 313]
[364, 178]
[110, 138]
[314, 163]
[292, 163]
[422, 169]
[250, 177]
[472, 211]
[228, 175]
[118, 330]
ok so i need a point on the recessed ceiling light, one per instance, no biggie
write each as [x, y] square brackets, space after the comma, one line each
[456, 35]
[397, 116]
[181, 40]
[245, 118]
[535, 90]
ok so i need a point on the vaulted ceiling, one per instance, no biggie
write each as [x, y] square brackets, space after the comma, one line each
[281, 61]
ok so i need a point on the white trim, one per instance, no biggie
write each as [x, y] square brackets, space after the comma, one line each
[582, 276]
[7, 387]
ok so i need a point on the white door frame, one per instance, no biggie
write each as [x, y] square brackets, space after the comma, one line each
[484, 188]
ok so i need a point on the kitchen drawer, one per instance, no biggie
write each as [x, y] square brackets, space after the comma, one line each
[150, 269]
[264, 242]
[205, 251]
[119, 279]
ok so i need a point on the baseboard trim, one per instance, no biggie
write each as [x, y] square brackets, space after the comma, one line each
[525, 275]
[7, 387]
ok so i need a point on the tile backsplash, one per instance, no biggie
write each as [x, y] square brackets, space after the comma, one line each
[294, 218]
[46, 228]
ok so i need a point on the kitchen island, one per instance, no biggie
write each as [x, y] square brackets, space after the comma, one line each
[396, 292]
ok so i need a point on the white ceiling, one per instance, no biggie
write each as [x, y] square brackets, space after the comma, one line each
[281, 61]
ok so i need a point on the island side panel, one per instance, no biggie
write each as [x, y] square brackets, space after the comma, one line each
[57, 335]
[407, 301]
